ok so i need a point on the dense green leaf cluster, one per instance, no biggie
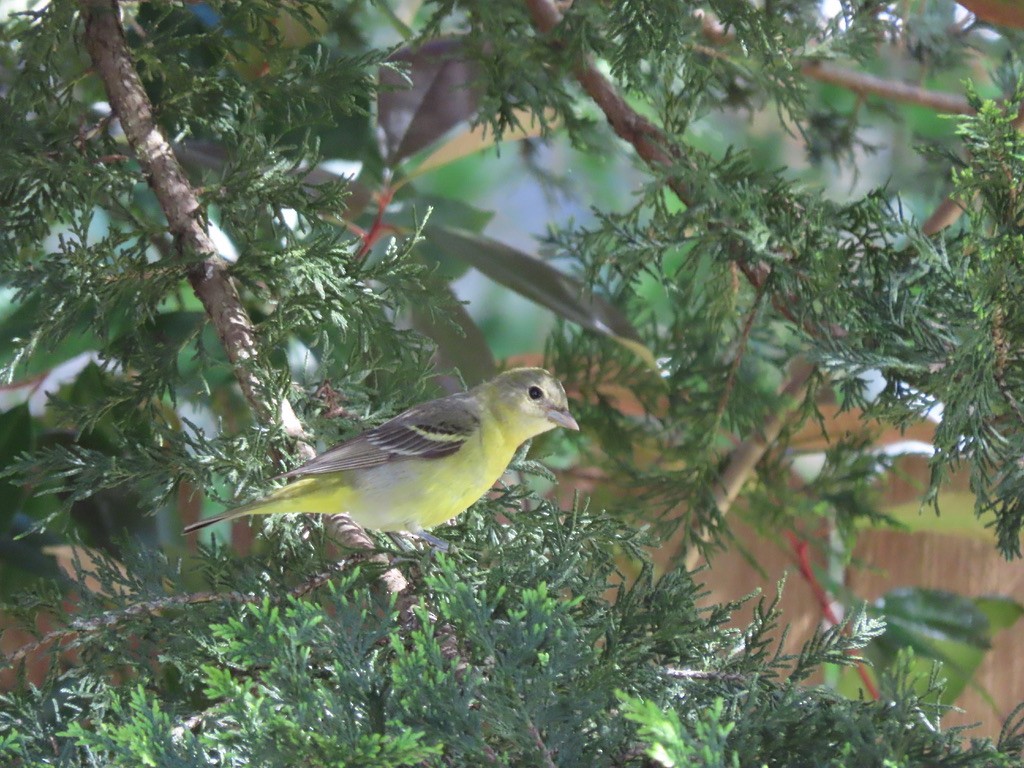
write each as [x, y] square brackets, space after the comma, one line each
[509, 650]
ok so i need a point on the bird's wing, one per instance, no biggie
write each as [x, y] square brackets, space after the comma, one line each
[429, 431]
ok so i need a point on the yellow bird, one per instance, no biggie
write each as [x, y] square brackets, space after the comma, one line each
[426, 465]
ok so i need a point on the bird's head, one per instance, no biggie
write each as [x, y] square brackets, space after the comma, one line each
[529, 401]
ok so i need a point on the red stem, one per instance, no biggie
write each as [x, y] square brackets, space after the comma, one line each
[378, 227]
[801, 551]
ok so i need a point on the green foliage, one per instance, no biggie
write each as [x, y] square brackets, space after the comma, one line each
[519, 660]
[936, 625]
[683, 308]
[673, 745]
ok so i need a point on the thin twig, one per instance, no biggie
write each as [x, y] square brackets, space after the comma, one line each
[654, 147]
[1001, 347]
[539, 742]
[744, 458]
[647, 139]
[890, 90]
[946, 214]
[949, 211]
[189, 724]
[378, 227]
[734, 367]
[856, 81]
[803, 561]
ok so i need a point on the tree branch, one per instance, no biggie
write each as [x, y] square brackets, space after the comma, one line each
[858, 82]
[207, 272]
[946, 214]
[890, 90]
[949, 211]
[647, 139]
[545, 753]
[737, 360]
[655, 148]
[744, 458]
[713, 675]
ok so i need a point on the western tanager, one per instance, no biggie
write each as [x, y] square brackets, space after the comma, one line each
[426, 465]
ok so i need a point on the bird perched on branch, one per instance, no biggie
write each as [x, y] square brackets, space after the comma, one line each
[426, 465]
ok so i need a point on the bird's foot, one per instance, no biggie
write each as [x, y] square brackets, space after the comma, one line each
[403, 543]
[439, 545]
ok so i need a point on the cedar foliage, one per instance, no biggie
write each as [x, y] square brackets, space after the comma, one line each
[526, 644]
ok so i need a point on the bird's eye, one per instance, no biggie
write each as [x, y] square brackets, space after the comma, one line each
[535, 393]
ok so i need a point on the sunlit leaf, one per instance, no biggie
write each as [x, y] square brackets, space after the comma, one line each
[939, 626]
[477, 139]
[540, 282]
[1002, 612]
[937, 614]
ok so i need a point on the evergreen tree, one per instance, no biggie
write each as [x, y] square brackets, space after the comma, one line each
[209, 295]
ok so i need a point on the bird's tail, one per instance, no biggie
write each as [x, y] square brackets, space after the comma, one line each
[313, 496]
[231, 514]
[264, 506]
[282, 500]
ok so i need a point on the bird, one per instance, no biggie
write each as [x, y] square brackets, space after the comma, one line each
[426, 465]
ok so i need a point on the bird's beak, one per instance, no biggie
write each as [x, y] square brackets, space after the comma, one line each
[563, 419]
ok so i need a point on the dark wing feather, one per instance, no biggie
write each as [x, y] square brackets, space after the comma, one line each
[429, 431]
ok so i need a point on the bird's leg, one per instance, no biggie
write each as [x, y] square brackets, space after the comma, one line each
[400, 541]
[438, 544]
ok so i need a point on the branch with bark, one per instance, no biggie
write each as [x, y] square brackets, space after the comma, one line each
[949, 211]
[658, 151]
[860, 83]
[186, 221]
[207, 272]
